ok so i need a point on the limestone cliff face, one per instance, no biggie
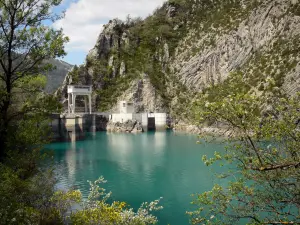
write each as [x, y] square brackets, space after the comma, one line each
[106, 63]
[162, 62]
[143, 95]
[241, 48]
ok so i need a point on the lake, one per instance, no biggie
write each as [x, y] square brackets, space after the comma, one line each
[140, 168]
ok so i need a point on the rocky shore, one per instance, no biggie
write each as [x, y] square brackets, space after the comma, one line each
[130, 126]
[212, 131]
[133, 126]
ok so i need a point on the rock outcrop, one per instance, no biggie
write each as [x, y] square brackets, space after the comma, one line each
[210, 131]
[130, 126]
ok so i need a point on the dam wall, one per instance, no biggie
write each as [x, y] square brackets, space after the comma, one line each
[73, 127]
[149, 121]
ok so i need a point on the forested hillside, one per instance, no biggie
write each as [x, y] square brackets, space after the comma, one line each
[163, 62]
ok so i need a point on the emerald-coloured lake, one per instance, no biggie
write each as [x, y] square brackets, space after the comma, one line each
[140, 168]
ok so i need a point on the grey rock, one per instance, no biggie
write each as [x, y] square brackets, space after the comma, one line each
[122, 69]
[130, 126]
[234, 49]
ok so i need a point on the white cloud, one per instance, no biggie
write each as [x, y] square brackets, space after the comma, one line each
[84, 19]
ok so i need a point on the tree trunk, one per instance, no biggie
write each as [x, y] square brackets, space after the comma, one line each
[4, 121]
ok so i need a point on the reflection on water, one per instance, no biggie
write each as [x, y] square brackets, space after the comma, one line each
[139, 168]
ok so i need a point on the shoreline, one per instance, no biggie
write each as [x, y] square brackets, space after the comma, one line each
[213, 132]
[209, 131]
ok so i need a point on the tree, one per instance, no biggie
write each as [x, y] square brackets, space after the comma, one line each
[25, 43]
[264, 187]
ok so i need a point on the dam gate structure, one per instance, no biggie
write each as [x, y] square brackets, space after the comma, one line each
[79, 90]
[73, 127]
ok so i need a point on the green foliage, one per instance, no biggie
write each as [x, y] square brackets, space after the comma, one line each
[25, 44]
[169, 25]
[97, 210]
[28, 194]
[142, 55]
[208, 19]
[113, 89]
[33, 200]
[23, 200]
[75, 73]
[265, 153]
[276, 63]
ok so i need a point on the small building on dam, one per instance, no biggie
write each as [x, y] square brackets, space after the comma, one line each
[148, 120]
[78, 120]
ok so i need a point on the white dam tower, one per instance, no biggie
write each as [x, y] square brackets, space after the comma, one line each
[79, 90]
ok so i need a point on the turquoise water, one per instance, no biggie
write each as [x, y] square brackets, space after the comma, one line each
[140, 168]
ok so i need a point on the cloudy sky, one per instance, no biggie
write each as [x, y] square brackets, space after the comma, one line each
[84, 19]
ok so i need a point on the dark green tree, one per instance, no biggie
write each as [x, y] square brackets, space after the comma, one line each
[25, 43]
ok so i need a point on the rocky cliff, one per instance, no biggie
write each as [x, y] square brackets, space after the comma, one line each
[162, 62]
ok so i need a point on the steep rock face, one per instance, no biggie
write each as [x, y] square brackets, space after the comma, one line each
[110, 37]
[162, 63]
[106, 53]
[143, 95]
[233, 50]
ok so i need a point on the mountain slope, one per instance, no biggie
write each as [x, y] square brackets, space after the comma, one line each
[163, 62]
[56, 77]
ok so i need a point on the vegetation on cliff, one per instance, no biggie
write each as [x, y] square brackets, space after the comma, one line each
[185, 46]
[141, 55]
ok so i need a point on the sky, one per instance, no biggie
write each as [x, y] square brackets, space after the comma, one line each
[84, 20]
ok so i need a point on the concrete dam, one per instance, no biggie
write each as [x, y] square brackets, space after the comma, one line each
[73, 125]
